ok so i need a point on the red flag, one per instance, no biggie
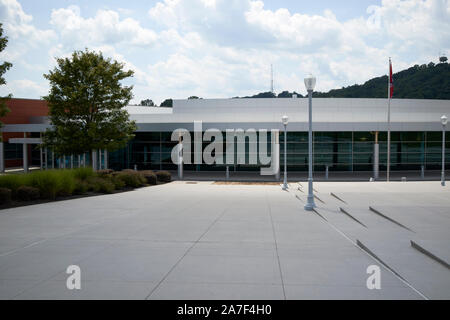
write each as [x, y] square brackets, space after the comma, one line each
[391, 80]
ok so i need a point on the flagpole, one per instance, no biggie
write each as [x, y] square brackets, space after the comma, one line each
[389, 140]
[389, 126]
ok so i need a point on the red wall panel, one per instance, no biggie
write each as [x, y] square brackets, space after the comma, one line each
[21, 111]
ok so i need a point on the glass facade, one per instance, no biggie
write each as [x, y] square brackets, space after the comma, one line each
[340, 151]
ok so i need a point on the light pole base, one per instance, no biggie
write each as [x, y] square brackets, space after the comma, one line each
[284, 186]
[310, 205]
[443, 183]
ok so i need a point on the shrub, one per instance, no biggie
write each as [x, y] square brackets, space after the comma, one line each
[12, 181]
[119, 184]
[106, 186]
[163, 176]
[52, 183]
[97, 184]
[5, 195]
[65, 182]
[92, 184]
[81, 187]
[46, 181]
[150, 176]
[104, 173]
[131, 178]
[26, 193]
[83, 173]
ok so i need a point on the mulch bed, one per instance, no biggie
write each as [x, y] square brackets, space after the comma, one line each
[15, 203]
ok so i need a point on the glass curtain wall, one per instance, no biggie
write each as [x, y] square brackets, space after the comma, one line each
[340, 151]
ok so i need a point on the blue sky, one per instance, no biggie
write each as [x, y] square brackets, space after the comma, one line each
[223, 48]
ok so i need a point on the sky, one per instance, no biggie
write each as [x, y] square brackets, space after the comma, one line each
[223, 48]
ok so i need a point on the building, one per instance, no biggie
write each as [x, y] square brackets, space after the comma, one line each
[345, 132]
[24, 113]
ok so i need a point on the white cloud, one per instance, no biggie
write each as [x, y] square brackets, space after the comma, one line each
[23, 35]
[224, 48]
[26, 88]
[18, 24]
[105, 27]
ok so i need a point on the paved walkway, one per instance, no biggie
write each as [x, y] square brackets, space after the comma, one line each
[319, 176]
[207, 241]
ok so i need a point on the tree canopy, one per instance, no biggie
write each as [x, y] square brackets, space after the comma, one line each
[147, 103]
[430, 81]
[427, 81]
[5, 66]
[167, 103]
[86, 104]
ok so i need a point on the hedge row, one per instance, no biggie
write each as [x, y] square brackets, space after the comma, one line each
[50, 184]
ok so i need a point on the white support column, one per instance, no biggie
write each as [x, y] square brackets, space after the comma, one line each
[25, 157]
[94, 160]
[2, 157]
[180, 158]
[106, 159]
[46, 158]
[376, 158]
[79, 159]
[276, 153]
[41, 154]
[100, 155]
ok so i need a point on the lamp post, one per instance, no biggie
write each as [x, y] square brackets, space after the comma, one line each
[285, 120]
[444, 123]
[310, 83]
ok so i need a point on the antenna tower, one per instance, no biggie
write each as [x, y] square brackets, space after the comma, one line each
[271, 78]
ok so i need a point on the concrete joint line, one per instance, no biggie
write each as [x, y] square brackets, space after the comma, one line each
[276, 246]
[374, 256]
[185, 254]
[363, 248]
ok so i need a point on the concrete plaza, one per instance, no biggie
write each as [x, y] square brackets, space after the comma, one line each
[200, 240]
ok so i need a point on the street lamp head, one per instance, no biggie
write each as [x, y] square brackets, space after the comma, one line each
[310, 82]
[285, 120]
[444, 120]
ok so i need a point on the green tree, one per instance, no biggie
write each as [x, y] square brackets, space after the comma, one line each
[426, 81]
[147, 103]
[5, 66]
[167, 103]
[86, 104]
